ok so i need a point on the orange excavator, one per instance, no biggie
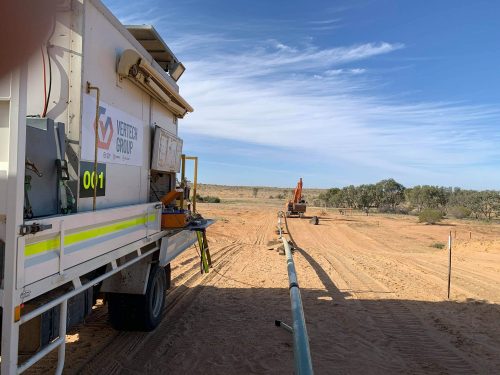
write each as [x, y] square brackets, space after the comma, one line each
[297, 206]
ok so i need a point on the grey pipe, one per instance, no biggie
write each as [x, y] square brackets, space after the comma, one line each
[301, 351]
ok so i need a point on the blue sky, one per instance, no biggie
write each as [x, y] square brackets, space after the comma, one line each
[336, 92]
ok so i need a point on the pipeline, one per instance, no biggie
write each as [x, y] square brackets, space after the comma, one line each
[301, 350]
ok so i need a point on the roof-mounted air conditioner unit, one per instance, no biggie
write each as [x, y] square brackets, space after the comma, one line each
[144, 75]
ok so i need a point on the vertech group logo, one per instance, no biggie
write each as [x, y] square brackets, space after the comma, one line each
[119, 135]
[104, 130]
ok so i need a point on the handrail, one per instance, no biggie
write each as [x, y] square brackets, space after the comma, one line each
[301, 350]
[96, 139]
[40, 310]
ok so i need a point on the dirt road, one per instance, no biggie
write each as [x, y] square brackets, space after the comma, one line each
[374, 293]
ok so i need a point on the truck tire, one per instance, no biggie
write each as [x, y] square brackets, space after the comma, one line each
[133, 312]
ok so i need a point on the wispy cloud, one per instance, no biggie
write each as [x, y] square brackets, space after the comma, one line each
[325, 22]
[265, 96]
[321, 101]
[325, 25]
[132, 14]
[275, 58]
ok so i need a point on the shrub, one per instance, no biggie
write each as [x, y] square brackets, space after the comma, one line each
[438, 245]
[414, 212]
[386, 209]
[430, 216]
[401, 210]
[459, 212]
[255, 191]
[383, 209]
[207, 199]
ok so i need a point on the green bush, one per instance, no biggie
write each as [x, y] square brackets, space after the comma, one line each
[438, 245]
[207, 199]
[430, 216]
[459, 212]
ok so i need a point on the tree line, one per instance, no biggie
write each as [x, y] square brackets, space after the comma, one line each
[391, 196]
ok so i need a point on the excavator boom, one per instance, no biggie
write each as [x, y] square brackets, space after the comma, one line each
[297, 196]
[297, 206]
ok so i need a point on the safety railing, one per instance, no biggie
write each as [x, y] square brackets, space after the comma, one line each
[62, 301]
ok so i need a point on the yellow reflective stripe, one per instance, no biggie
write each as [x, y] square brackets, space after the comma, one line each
[85, 235]
[42, 246]
[70, 239]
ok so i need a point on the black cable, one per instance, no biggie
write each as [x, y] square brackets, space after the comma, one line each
[50, 82]
[44, 81]
[50, 69]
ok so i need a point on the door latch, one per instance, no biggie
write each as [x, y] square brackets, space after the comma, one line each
[33, 228]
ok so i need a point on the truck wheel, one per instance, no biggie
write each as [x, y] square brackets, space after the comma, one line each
[155, 298]
[133, 312]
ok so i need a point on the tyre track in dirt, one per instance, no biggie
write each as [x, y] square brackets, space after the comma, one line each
[438, 279]
[462, 282]
[403, 268]
[404, 328]
[159, 346]
[132, 351]
[371, 307]
[381, 247]
[130, 344]
[409, 337]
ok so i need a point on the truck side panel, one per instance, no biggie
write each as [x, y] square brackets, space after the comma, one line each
[84, 237]
[126, 184]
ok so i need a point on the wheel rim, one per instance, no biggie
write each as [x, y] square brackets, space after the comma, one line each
[157, 300]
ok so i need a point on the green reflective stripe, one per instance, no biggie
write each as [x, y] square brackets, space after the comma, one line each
[71, 239]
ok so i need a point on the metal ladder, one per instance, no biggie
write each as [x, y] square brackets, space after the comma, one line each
[206, 259]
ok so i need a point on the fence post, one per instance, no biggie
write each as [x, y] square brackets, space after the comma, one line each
[449, 264]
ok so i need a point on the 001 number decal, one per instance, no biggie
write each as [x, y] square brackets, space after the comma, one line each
[88, 179]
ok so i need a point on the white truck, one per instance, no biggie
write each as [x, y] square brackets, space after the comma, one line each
[88, 147]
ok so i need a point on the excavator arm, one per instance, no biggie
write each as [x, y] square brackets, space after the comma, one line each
[296, 206]
[297, 195]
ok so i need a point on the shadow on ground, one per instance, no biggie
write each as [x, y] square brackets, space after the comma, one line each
[231, 331]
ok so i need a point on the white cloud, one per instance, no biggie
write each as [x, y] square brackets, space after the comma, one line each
[297, 96]
[325, 22]
[266, 96]
[334, 72]
[273, 58]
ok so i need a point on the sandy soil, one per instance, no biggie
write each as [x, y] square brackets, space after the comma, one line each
[374, 294]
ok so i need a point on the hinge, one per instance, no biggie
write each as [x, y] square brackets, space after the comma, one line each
[33, 228]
